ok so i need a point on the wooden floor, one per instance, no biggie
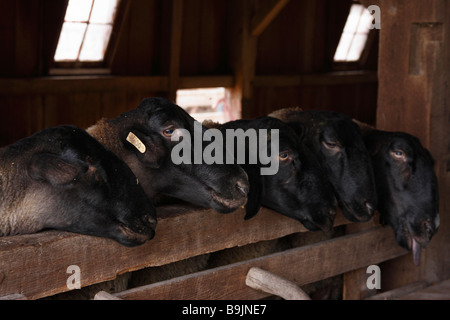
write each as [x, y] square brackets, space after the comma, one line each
[418, 291]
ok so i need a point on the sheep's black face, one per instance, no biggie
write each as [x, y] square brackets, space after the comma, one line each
[338, 145]
[407, 188]
[91, 191]
[341, 150]
[156, 122]
[299, 189]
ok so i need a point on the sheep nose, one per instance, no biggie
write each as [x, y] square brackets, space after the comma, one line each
[370, 208]
[242, 187]
[429, 230]
[151, 220]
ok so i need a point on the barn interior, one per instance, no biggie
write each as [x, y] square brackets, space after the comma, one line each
[257, 56]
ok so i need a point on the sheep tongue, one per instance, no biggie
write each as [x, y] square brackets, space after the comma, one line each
[416, 252]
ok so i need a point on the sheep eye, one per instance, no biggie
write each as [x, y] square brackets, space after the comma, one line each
[398, 154]
[284, 156]
[168, 132]
[330, 145]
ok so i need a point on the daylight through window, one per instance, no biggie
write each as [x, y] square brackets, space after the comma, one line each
[354, 36]
[206, 104]
[86, 30]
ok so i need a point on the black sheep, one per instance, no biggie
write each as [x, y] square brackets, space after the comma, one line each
[408, 195]
[142, 137]
[62, 178]
[338, 144]
[299, 189]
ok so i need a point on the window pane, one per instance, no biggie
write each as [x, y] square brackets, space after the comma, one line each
[358, 43]
[353, 18]
[343, 47]
[364, 23]
[78, 10]
[70, 41]
[103, 11]
[354, 36]
[95, 42]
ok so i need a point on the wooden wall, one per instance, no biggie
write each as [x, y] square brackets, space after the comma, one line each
[161, 46]
[414, 77]
[270, 53]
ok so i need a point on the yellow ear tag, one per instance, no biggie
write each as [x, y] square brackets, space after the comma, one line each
[134, 140]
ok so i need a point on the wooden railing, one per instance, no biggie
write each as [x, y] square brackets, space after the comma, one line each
[35, 266]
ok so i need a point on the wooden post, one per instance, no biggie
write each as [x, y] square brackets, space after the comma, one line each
[175, 48]
[252, 27]
[414, 64]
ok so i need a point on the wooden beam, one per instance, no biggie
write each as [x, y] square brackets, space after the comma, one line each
[248, 52]
[69, 84]
[263, 19]
[206, 82]
[439, 291]
[35, 265]
[301, 265]
[122, 16]
[175, 47]
[332, 78]
[90, 83]
[399, 292]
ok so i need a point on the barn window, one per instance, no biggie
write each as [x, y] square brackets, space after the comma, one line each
[205, 103]
[354, 37]
[86, 31]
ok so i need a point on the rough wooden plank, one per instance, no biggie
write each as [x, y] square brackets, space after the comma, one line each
[175, 47]
[13, 297]
[301, 265]
[354, 282]
[395, 293]
[331, 78]
[206, 82]
[84, 84]
[263, 19]
[440, 291]
[36, 265]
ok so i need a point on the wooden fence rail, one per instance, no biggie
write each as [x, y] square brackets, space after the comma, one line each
[36, 265]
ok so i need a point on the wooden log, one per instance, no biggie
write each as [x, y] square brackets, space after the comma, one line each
[302, 265]
[273, 284]
[36, 265]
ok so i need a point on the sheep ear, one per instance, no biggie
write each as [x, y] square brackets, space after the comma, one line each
[147, 148]
[54, 169]
[254, 195]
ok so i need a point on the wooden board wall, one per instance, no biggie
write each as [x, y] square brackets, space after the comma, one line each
[169, 43]
[413, 97]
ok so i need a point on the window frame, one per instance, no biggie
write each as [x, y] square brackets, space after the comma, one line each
[362, 61]
[93, 67]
